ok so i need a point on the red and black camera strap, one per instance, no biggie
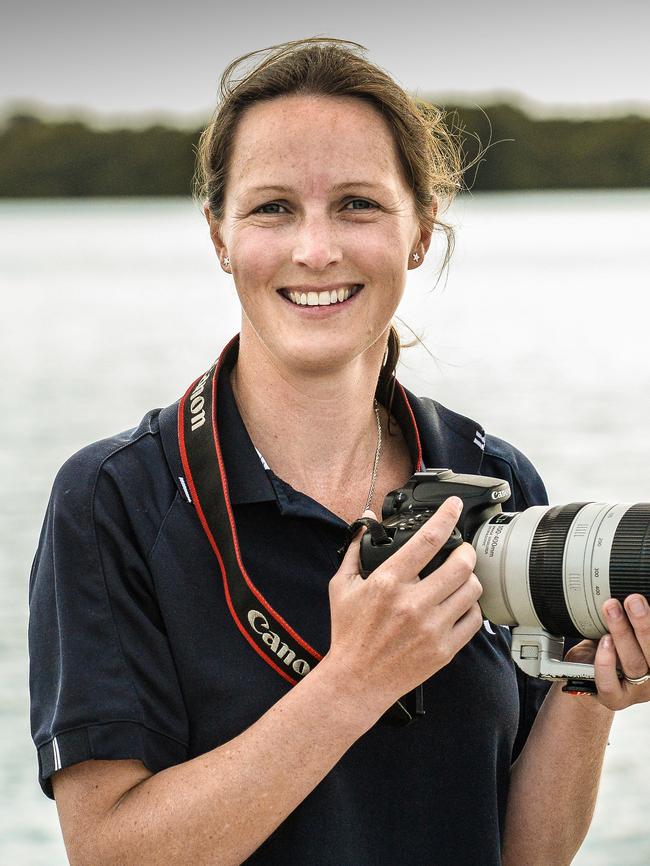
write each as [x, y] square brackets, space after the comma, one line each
[266, 631]
[206, 485]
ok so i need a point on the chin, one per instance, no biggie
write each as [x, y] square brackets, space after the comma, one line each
[314, 349]
[314, 355]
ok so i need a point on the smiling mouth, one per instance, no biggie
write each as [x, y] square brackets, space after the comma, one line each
[321, 299]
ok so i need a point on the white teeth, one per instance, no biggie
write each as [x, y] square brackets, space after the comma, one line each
[321, 299]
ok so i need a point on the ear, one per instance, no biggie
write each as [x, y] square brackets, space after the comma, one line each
[421, 246]
[215, 235]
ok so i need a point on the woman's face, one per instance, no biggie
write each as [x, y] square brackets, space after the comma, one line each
[320, 228]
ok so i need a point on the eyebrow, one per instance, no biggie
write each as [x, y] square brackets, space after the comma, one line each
[348, 184]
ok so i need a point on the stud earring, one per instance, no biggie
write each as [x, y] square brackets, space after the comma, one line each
[416, 257]
[226, 262]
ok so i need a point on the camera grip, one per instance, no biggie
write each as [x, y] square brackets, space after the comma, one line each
[377, 545]
[454, 541]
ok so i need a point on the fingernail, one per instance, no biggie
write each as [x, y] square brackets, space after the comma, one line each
[613, 610]
[637, 605]
[607, 642]
[457, 503]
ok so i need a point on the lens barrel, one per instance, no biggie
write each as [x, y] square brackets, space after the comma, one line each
[553, 567]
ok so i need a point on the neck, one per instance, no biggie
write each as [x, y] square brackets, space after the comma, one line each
[316, 429]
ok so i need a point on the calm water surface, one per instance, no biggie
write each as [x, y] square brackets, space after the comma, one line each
[540, 333]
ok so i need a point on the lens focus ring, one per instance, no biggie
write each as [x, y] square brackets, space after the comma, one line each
[546, 566]
[629, 565]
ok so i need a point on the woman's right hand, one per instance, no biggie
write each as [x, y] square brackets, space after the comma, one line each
[394, 630]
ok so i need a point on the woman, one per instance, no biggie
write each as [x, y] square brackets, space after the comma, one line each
[173, 728]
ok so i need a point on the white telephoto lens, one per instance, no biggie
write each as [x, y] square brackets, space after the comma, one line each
[553, 567]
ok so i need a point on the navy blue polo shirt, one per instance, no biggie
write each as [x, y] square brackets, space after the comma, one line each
[134, 654]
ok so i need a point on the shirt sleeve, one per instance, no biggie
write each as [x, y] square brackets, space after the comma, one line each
[102, 678]
[532, 692]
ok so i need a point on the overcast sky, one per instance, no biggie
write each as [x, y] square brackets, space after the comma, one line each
[134, 56]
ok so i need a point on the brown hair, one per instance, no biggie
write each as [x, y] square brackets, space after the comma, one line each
[429, 152]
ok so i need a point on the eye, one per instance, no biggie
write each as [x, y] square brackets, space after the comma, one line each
[360, 204]
[274, 205]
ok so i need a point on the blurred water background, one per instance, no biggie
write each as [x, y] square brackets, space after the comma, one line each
[540, 332]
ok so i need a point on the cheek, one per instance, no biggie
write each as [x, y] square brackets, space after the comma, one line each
[387, 264]
[257, 259]
[385, 250]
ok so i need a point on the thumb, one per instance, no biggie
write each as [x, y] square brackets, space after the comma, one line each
[350, 562]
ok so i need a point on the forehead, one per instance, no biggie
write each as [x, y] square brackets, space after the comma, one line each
[318, 138]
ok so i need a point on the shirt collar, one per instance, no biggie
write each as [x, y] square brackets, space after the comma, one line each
[248, 481]
[436, 437]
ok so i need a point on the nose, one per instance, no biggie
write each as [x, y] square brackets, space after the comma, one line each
[317, 244]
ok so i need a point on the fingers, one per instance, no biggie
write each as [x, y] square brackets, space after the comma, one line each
[626, 648]
[467, 626]
[638, 612]
[406, 563]
[409, 560]
[631, 636]
[461, 599]
[350, 563]
[610, 688]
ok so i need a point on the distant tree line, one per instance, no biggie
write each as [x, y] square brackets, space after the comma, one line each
[40, 158]
[523, 152]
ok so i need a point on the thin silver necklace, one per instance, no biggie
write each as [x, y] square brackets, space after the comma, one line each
[375, 466]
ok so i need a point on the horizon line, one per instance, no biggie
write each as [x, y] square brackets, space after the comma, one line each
[466, 99]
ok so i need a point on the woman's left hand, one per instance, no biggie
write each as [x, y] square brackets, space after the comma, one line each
[626, 648]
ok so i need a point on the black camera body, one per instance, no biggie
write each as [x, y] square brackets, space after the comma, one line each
[406, 509]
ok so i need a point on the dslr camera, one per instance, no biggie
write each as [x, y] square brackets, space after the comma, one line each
[545, 571]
